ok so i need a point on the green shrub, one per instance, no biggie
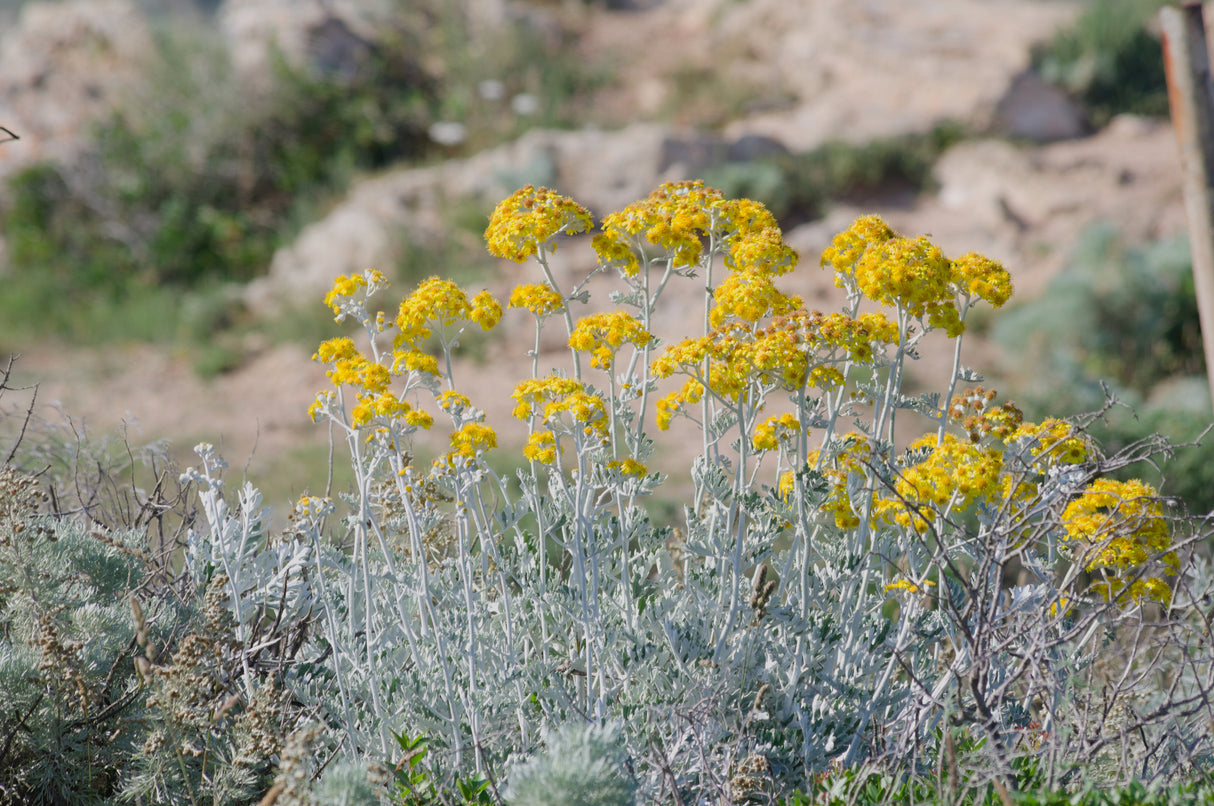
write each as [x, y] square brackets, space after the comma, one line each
[121, 679]
[1109, 60]
[195, 181]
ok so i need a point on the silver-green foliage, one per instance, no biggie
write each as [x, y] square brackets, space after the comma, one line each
[582, 764]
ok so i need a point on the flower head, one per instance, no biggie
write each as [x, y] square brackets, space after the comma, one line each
[602, 334]
[761, 251]
[1119, 527]
[773, 431]
[981, 277]
[555, 396]
[539, 298]
[672, 222]
[849, 246]
[442, 303]
[349, 294]
[473, 439]
[530, 219]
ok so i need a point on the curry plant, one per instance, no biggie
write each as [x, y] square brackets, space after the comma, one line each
[859, 573]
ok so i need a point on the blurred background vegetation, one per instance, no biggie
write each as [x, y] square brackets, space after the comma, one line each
[196, 181]
[1111, 60]
[199, 179]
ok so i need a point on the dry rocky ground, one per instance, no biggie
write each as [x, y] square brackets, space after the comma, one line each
[814, 69]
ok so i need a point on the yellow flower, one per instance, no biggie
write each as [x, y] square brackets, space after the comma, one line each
[357, 371]
[541, 447]
[442, 303]
[629, 467]
[673, 403]
[982, 277]
[956, 474]
[385, 407]
[335, 349]
[473, 439]
[531, 218]
[539, 298]
[787, 483]
[761, 251]
[749, 296]
[553, 396]
[324, 400]
[602, 334]
[485, 310]
[1052, 442]
[414, 361]
[849, 246]
[1119, 527]
[345, 287]
[912, 273]
[676, 218]
[848, 458]
[774, 430]
[453, 401]
[902, 584]
[741, 218]
[907, 272]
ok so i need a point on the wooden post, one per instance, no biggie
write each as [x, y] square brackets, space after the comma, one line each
[1191, 97]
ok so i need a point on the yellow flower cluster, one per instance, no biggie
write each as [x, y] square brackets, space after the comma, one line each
[749, 296]
[775, 430]
[530, 219]
[334, 350]
[796, 350]
[387, 407]
[851, 459]
[675, 218]
[981, 277]
[1052, 442]
[670, 405]
[602, 334]
[851, 244]
[541, 447]
[309, 506]
[437, 302]
[756, 243]
[913, 274]
[954, 476]
[629, 467]
[856, 337]
[1118, 528]
[550, 398]
[442, 303]
[679, 217]
[851, 456]
[454, 402]
[371, 379]
[903, 584]
[345, 288]
[972, 409]
[472, 439]
[539, 298]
